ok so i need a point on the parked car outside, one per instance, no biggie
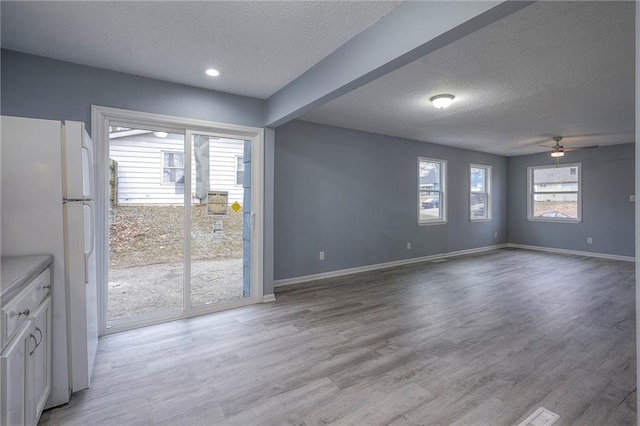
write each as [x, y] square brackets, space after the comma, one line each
[430, 203]
[556, 214]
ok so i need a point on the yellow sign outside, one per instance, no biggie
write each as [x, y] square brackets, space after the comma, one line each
[236, 207]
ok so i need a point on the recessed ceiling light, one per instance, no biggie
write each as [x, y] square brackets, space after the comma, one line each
[441, 101]
[212, 72]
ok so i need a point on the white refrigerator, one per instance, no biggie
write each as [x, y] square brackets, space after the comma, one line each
[47, 206]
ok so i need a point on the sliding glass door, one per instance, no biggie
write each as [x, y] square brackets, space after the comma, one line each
[180, 211]
[146, 223]
[220, 197]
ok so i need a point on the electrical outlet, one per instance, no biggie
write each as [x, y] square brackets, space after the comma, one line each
[409, 245]
[589, 240]
[321, 255]
[495, 234]
[632, 198]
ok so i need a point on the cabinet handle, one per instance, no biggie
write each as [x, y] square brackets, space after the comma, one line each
[34, 341]
[14, 314]
[40, 332]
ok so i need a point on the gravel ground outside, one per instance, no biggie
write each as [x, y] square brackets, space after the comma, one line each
[140, 290]
[145, 259]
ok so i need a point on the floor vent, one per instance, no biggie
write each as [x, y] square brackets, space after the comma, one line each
[541, 417]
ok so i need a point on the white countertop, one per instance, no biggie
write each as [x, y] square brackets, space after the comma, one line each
[17, 271]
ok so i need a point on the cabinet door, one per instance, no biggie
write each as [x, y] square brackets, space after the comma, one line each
[13, 373]
[41, 320]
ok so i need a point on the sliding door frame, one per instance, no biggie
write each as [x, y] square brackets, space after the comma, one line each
[101, 119]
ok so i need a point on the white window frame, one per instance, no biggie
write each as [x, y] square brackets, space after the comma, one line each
[531, 193]
[241, 157]
[162, 167]
[486, 192]
[442, 219]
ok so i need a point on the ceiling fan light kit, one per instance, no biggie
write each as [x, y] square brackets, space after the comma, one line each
[558, 150]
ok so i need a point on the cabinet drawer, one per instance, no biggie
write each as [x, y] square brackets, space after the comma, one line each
[17, 311]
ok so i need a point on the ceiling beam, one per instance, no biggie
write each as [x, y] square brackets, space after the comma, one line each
[409, 32]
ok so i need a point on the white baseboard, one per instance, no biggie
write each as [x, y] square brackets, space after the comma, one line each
[578, 253]
[268, 298]
[341, 272]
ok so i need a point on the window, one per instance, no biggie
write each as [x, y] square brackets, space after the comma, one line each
[239, 170]
[479, 192]
[555, 193]
[172, 167]
[431, 191]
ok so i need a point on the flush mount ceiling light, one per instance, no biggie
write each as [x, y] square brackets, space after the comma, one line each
[212, 72]
[441, 101]
[161, 134]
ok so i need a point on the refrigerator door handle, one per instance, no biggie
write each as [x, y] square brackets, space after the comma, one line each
[91, 231]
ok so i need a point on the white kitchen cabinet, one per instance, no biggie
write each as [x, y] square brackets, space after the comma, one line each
[13, 373]
[41, 356]
[25, 360]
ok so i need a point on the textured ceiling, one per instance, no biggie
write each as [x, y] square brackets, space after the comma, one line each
[553, 68]
[259, 46]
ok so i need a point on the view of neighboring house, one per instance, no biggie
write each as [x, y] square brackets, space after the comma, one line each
[555, 183]
[429, 181]
[149, 168]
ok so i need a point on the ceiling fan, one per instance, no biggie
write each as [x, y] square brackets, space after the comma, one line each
[558, 150]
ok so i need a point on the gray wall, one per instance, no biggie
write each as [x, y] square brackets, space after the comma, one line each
[33, 86]
[607, 214]
[354, 195]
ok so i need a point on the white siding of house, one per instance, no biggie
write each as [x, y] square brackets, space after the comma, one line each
[222, 167]
[140, 169]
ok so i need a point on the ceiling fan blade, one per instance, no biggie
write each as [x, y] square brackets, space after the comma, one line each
[547, 146]
[580, 147]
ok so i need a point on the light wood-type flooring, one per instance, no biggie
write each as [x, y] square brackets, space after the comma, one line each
[477, 340]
